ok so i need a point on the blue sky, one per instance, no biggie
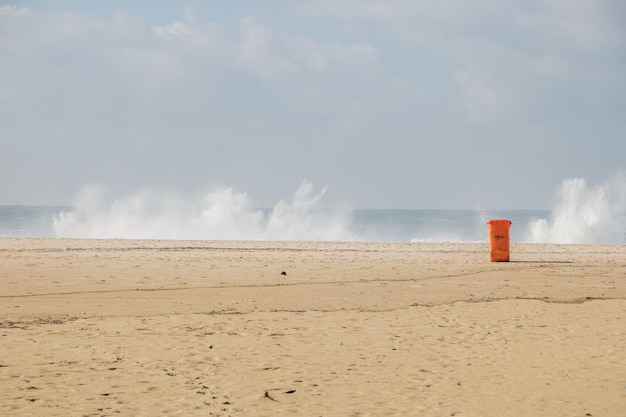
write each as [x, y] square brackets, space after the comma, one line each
[391, 104]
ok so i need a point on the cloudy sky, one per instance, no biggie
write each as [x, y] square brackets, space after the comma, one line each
[391, 104]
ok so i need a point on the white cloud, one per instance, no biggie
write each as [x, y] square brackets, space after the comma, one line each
[331, 89]
[272, 55]
[258, 52]
[13, 11]
[549, 66]
[589, 24]
[480, 96]
[191, 34]
[592, 25]
[319, 57]
[513, 44]
[171, 31]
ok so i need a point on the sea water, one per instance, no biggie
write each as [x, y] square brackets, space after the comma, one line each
[28, 221]
[532, 226]
[264, 224]
[582, 214]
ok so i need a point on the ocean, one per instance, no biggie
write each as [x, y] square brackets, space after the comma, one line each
[297, 223]
[582, 213]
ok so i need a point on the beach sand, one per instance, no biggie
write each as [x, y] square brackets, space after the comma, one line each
[195, 328]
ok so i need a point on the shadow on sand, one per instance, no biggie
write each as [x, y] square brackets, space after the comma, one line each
[542, 262]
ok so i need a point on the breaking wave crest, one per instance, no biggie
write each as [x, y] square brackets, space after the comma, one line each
[585, 213]
[221, 215]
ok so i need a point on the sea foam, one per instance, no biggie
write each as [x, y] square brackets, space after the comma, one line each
[585, 213]
[220, 215]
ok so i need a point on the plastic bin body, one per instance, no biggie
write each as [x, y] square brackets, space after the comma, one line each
[499, 240]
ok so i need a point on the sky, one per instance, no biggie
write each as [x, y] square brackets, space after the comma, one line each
[389, 104]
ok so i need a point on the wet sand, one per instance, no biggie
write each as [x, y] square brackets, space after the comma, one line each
[195, 328]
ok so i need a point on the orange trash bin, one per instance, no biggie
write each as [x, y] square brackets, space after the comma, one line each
[499, 240]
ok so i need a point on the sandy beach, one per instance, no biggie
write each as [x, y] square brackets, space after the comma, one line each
[204, 328]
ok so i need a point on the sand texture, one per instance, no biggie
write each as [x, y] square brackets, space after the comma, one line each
[194, 328]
